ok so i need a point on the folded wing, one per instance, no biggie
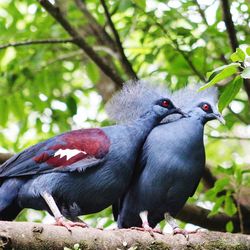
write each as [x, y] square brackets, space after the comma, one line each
[71, 151]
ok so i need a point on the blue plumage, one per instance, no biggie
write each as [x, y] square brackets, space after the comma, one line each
[81, 171]
[171, 163]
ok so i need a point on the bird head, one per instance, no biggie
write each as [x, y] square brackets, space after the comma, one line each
[165, 106]
[207, 112]
[136, 98]
[200, 104]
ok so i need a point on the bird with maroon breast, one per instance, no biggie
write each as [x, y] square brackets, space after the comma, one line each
[170, 164]
[82, 171]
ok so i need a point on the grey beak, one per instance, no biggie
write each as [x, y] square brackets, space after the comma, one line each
[179, 111]
[220, 118]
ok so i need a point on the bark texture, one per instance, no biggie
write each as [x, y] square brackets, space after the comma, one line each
[24, 235]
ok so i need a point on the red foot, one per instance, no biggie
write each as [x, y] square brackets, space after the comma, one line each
[69, 224]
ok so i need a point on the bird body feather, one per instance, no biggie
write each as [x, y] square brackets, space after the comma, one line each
[172, 160]
[81, 171]
[167, 175]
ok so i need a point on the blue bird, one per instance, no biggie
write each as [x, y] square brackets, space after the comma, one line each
[82, 171]
[170, 165]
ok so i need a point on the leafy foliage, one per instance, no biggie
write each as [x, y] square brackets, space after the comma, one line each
[49, 88]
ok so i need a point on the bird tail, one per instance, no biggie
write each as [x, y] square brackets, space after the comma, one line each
[9, 208]
[119, 222]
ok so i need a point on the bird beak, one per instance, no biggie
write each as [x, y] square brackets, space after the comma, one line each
[179, 111]
[220, 118]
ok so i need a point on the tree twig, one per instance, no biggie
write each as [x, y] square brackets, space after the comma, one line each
[201, 11]
[98, 30]
[227, 137]
[229, 24]
[128, 67]
[175, 45]
[240, 118]
[4, 157]
[232, 36]
[80, 42]
[32, 42]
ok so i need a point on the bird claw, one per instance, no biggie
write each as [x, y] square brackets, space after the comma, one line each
[184, 232]
[147, 228]
[69, 224]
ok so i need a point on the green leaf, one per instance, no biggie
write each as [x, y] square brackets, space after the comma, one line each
[124, 5]
[248, 51]
[246, 73]
[72, 105]
[223, 170]
[221, 184]
[17, 105]
[230, 227]
[225, 73]
[238, 56]
[140, 3]
[230, 92]
[241, 54]
[223, 67]
[4, 112]
[235, 58]
[92, 72]
[230, 208]
[238, 175]
[217, 206]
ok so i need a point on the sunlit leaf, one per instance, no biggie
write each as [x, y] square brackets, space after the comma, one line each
[230, 227]
[238, 56]
[229, 207]
[217, 206]
[223, 74]
[248, 51]
[4, 111]
[141, 3]
[72, 105]
[238, 175]
[92, 72]
[230, 92]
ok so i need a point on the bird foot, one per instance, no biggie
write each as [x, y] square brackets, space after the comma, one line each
[184, 232]
[69, 224]
[147, 228]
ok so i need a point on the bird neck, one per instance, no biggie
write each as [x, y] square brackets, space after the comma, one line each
[142, 126]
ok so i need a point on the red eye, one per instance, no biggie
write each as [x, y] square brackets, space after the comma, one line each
[165, 103]
[205, 107]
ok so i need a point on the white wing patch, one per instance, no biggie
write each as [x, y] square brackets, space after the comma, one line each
[69, 153]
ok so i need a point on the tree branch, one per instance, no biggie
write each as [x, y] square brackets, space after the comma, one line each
[228, 137]
[208, 178]
[97, 29]
[229, 24]
[201, 11]
[80, 42]
[124, 60]
[4, 157]
[232, 36]
[199, 216]
[23, 235]
[31, 42]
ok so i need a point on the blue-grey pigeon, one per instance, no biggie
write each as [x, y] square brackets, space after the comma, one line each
[171, 163]
[82, 171]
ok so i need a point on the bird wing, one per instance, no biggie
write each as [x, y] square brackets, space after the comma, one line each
[68, 152]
